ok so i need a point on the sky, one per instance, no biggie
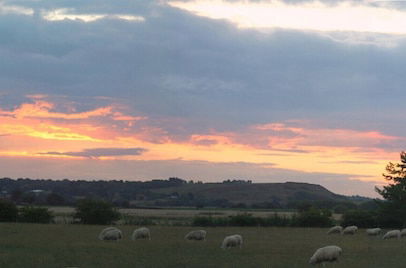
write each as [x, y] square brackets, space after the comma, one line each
[210, 90]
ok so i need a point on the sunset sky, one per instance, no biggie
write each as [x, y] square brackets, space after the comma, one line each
[270, 91]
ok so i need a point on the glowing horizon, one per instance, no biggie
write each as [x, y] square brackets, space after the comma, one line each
[35, 130]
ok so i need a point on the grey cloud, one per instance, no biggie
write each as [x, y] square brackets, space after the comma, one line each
[99, 152]
[206, 72]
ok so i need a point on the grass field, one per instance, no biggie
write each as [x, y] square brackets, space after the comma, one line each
[173, 215]
[53, 245]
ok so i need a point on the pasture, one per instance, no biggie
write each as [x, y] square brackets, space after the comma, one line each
[60, 245]
[175, 216]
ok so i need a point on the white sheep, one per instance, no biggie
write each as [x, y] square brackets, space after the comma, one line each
[335, 230]
[326, 254]
[232, 241]
[373, 231]
[196, 235]
[141, 233]
[403, 232]
[350, 230]
[111, 233]
[392, 234]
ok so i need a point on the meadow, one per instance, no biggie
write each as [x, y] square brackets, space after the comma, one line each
[74, 245]
[175, 216]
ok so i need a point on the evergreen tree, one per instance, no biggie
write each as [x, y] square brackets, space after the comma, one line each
[393, 212]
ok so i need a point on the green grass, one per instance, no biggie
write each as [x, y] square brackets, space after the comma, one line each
[37, 245]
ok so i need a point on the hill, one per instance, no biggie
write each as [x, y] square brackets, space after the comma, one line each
[171, 192]
[276, 194]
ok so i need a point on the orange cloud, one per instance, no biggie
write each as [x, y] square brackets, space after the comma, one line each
[42, 109]
[35, 130]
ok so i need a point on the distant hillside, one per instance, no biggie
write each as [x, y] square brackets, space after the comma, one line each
[252, 193]
[171, 192]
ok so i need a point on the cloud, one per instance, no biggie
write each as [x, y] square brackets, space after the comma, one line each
[193, 88]
[341, 17]
[33, 129]
[15, 9]
[197, 77]
[42, 109]
[60, 119]
[68, 14]
[100, 152]
[39, 107]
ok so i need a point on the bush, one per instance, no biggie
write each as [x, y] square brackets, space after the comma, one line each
[90, 211]
[390, 215]
[35, 215]
[8, 211]
[313, 218]
[210, 221]
[244, 220]
[135, 220]
[276, 220]
[360, 218]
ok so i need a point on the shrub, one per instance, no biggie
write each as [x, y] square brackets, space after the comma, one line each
[90, 211]
[244, 220]
[312, 218]
[35, 215]
[360, 218]
[210, 221]
[276, 220]
[8, 211]
[389, 215]
[135, 220]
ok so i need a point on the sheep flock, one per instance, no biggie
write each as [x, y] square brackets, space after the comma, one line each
[329, 253]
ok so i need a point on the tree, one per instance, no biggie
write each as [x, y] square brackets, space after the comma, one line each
[360, 218]
[313, 217]
[35, 215]
[8, 211]
[392, 213]
[90, 211]
[55, 199]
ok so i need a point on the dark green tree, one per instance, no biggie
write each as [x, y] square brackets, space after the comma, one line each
[392, 212]
[360, 218]
[90, 211]
[35, 215]
[8, 211]
[54, 199]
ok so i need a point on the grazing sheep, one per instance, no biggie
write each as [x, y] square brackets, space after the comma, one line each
[111, 233]
[196, 235]
[325, 254]
[141, 233]
[374, 231]
[350, 230]
[232, 241]
[403, 232]
[392, 234]
[335, 230]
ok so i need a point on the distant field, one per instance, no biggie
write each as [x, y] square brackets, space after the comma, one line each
[57, 245]
[181, 212]
[63, 214]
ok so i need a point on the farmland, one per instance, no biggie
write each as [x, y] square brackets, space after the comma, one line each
[61, 245]
[169, 216]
